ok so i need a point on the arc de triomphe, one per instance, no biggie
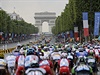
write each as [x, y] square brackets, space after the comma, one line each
[41, 17]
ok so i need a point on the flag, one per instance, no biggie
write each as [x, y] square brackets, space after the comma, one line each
[97, 23]
[75, 32]
[85, 24]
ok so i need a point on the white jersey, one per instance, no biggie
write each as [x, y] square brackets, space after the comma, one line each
[55, 55]
[11, 60]
[87, 49]
[46, 54]
[21, 60]
[31, 59]
[64, 62]
[44, 62]
[96, 52]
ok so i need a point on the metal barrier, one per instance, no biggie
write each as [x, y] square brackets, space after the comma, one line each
[7, 51]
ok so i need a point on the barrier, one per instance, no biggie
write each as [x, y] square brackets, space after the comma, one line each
[2, 52]
[7, 51]
[1, 55]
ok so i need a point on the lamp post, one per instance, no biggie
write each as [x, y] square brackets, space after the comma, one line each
[1, 27]
[90, 21]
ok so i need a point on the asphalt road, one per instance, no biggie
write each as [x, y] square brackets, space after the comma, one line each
[11, 45]
[25, 42]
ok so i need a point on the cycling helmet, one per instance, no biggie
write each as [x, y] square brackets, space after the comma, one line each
[30, 41]
[91, 52]
[91, 48]
[64, 55]
[16, 53]
[55, 50]
[11, 54]
[39, 46]
[19, 46]
[16, 50]
[76, 47]
[22, 51]
[46, 49]
[88, 46]
[81, 49]
[68, 49]
[82, 60]
[30, 51]
[96, 47]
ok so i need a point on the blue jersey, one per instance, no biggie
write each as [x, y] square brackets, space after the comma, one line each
[84, 53]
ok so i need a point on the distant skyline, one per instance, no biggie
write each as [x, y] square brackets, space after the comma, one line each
[27, 8]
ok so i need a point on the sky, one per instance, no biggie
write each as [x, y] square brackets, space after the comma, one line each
[27, 8]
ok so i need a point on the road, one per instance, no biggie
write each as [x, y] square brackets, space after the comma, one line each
[25, 42]
[11, 45]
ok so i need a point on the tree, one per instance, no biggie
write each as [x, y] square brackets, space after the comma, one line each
[72, 14]
[14, 26]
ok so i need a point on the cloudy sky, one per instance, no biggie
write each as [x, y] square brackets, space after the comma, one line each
[27, 8]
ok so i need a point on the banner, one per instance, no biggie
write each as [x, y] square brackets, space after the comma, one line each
[85, 24]
[97, 23]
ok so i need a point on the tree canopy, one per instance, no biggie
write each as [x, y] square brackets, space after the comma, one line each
[72, 15]
[14, 26]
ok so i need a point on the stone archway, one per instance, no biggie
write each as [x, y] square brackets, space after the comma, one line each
[45, 27]
[41, 17]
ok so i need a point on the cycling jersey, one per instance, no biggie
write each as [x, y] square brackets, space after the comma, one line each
[64, 62]
[31, 59]
[55, 56]
[11, 60]
[21, 60]
[44, 62]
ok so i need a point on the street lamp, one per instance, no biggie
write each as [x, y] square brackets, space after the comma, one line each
[90, 21]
